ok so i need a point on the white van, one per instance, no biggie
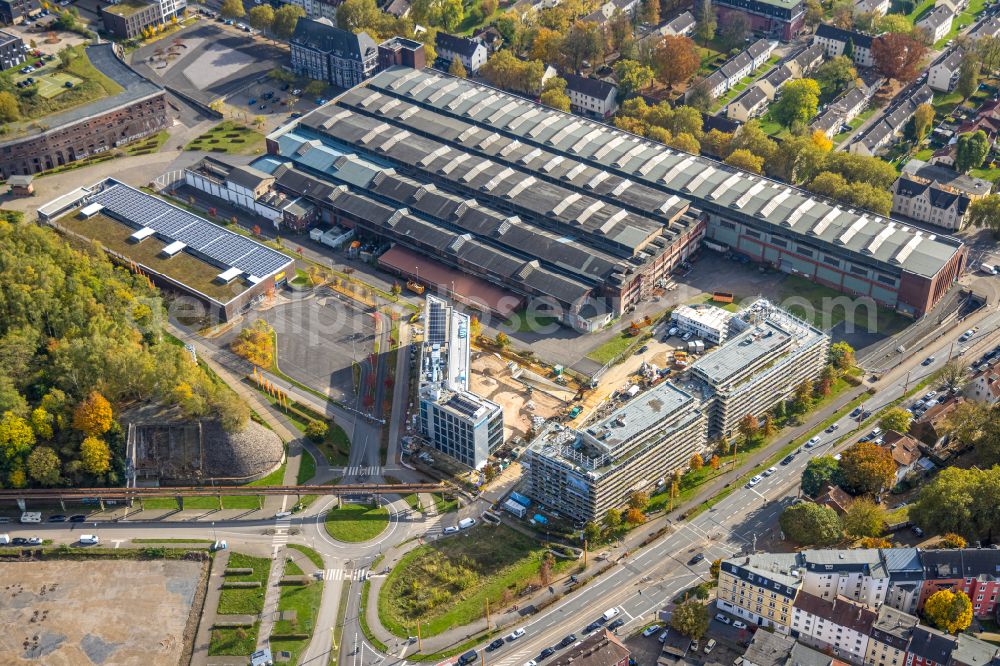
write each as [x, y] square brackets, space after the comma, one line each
[90, 539]
[31, 517]
[4, 539]
[988, 269]
[466, 523]
[610, 613]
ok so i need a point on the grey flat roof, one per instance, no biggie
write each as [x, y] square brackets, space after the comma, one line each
[639, 414]
[790, 210]
[742, 351]
[135, 87]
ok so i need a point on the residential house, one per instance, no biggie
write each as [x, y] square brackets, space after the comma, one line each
[956, 6]
[841, 111]
[774, 80]
[128, 20]
[906, 577]
[984, 386]
[835, 497]
[937, 23]
[835, 40]
[324, 52]
[782, 19]
[750, 104]
[602, 648]
[891, 123]
[987, 28]
[876, 7]
[889, 637]
[470, 52]
[760, 51]
[14, 11]
[929, 647]
[683, 24]
[760, 588]
[12, 50]
[490, 37]
[905, 453]
[971, 570]
[806, 60]
[858, 575]
[767, 649]
[317, 9]
[591, 97]
[928, 203]
[608, 9]
[739, 66]
[931, 428]
[987, 119]
[401, 51]
[943, 75]
[838, 625]
[947, 179]
[397, 8]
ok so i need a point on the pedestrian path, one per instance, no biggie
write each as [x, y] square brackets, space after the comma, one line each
[358, 575]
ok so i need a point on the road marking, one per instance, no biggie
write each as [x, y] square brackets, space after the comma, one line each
[346, 574]
[117, 542]
[362, 470]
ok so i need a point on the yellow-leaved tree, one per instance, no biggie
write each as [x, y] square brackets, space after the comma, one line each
[949, 611]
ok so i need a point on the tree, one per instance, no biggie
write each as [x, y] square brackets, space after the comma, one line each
[633, 77]
[591, 532]
[751, 137]
[43, 466]
[867, 468]
[810, 524]
[676, 59]
[16, 437]
[768, 429]
[834, 77]
[634, 516]
[262, 17]
[897, 419]
[953, 374]
[502, 340]
[314, 87]
[699, 95]
[546, 45]
[749, 427]
[255, 344]
[952, 540]
[545, 568]
[232, 9]
[898, 56]
[842, 355]
[985, 213]
[864, 518]
[93, 415]
[714, 462]
[638, 500]
[612, 519]
[894, 23]
[988, 50]
[41, 423]
[950, 611]
[584, 41]
[705, 27]
[651, 11]
[875, 542]
[690, 619]
[968, 75]
[456, 68]
[285, 19]
[316, 430]
[820, 471]
[842, 14]
[798, 103]
[923, 119]
[734, 30]
[848, 51]
[555, 98]
[716, 142]
[685, 142]
[814, 13]
[971, 151]
[95, 455]
[489, 7]
[744, 159]
[697, 462]
[9, 108]
[803, 396]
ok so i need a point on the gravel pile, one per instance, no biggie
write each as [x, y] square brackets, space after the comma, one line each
[252, 450]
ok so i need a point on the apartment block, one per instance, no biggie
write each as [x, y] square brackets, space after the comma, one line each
[889, 637]
[760, 588]
[839, 625]
[583, 473]
[771, 353]
[859, 575]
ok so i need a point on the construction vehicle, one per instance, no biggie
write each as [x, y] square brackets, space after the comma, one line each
[415, 287]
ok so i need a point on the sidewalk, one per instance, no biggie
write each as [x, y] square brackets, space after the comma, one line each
[199, 654]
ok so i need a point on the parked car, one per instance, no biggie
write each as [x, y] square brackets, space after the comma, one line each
[788, 459]
[697, 558]
[928, 361]
[514, 635]
[58, 518]
[77, 518]
[495, 645]
[642, 350]
[34, 541]
[754, 481]
[546, 653]
[770, 470]
[856, 412]
[19, 541]
[710, 645]
[567, 640]
[813, 441]
[650, 630]
[739, 624]
[593, 626]
[724, 619]
[616, 624]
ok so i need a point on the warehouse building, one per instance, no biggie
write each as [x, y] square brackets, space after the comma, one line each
[583, 473]
[177, 250]
[600, 188]
[761, 365]
[453, 419]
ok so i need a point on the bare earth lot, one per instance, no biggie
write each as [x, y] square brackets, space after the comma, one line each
[121, 612]
[491, 379]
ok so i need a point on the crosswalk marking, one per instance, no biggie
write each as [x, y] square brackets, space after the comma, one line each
[362, 470]
[346, 574]
[281, 527]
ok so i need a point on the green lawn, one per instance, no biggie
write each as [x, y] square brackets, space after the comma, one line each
[355, 523]
[444, 584]
[707, 300]
[229, 137]
[313, 556]
[963, 19]
[248, 601]
[445, 504]
[919, 10]
[307, 467]
[237, 642]
[275, 478]
[474, 18]
[991, 175]
[305, 601]
[613, 347]
[148, 145]
[824, 316]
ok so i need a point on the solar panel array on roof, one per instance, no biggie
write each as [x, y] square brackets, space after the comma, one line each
[221, 245]
[463, 405]
[437, 324]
